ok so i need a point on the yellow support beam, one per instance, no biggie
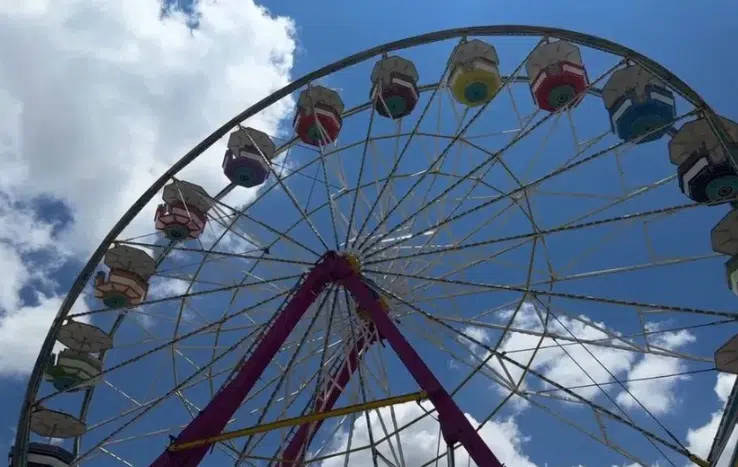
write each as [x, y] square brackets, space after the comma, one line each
[699, 461]
[415, 396]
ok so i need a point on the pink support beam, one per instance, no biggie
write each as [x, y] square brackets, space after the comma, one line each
[293, 454]
[213, 418]
[454, 425]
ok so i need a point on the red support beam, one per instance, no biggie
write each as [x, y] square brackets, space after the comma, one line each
[454, 425]
[336, 269]
[326, 400]
[213, 418]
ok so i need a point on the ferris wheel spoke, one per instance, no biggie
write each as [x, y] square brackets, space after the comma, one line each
[665, 262]
[498, 216]
[312, 178]
[270, 258]
[631, 195]
[218, 199]
[249, 274]
[464, 140]
[451, 294]
[572, 394]
[435, 165]
[314, 375]
[458, 118]
[325, 138]
[188, 295]
[254, 245]
[358, 192]
[185, 278]
[493, 257]
[313, 211]
[363, 397]
[438, 226]
[334, 198]
[115, 456]
[518, 137]
[517, 191]
[611, 340]
[141, 405]
[438, 162]
[360, 175]
[295, 202]
[626, 196]
[399, 158]
[584, 225]
[389, 435]
[498, 240]
[572, 296]
[611, 237]
[179, 338]
[494, 377]
[600, 437]
[205, 259]
[153, 434]
[167, 270]
[612, 376]
[393, 202]
[545, 392]
[439, 169]
[155, 403]
[228, 228]
[467, 360]
[385, 199]
[649, 347]
[280, 235]
[264, 388]
[286, 370]
[430, 235]
[325, 363]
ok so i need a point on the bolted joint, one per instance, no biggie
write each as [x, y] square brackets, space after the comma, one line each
[364, 315]
[338, 266]
[353, 261]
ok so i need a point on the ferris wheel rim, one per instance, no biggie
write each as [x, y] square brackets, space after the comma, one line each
[588, 40]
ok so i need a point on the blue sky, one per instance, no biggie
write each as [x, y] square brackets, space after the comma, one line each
[689, 40]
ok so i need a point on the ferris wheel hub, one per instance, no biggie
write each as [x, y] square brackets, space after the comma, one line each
[353, 261]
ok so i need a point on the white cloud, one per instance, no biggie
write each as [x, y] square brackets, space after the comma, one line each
[56, 441]
[165, 287]
[562, 364]
[114, 95]
[699, 440]
[15, 276]
[657, 395]
[420, 440]
[577, 366]
[479, 335]
[23, 330]
[29, 256]
[97, 99]
[230, 237]
[27, 251]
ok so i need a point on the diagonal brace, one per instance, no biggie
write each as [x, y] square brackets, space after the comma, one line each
[213, 418]
[454, 425]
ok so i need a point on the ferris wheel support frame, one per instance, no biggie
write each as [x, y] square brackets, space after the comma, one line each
[326, 400]
[213, 418]
[337, 269]
[34, 382]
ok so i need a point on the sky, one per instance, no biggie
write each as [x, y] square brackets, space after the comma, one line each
[99, 98]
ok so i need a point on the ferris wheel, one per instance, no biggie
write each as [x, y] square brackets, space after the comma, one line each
[459, 228]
